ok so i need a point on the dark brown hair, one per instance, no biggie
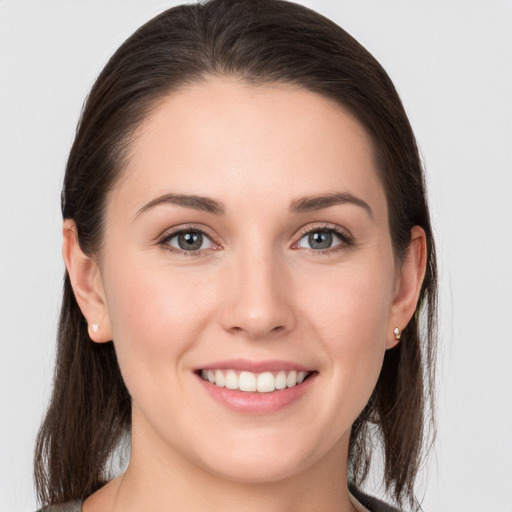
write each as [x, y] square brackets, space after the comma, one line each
[260, 42]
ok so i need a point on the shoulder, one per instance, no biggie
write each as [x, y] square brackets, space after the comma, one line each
[70, 506]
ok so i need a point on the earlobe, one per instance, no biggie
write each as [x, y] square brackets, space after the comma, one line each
[410, 279]
[87, 284]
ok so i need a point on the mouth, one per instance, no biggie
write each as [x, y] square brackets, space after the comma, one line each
[250, 382]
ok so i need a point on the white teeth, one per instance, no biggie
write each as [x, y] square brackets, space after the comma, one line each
[247, 381]
[301, 376]
[291, 380]
[281, 380]
[219, 379]
[264, 382]
[231, 379]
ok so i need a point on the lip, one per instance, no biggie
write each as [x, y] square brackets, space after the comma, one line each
[254, 366]
[254, 403]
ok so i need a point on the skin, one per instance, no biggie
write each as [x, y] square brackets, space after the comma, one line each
[257, 290]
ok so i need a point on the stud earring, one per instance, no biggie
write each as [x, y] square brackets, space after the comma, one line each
[95, 327]
[397, 333]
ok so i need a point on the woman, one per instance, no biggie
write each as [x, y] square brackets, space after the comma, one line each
[249, 255]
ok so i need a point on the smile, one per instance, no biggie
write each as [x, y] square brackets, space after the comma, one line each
[264, 382]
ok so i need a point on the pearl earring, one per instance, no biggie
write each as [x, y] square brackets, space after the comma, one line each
[95, 327]
[397, 333]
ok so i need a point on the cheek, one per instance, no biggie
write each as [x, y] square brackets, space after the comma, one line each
[351, 304]
[156, 316]
[350, 315]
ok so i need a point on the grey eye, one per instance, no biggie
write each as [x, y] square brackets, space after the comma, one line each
[190, 241]
[321, 239]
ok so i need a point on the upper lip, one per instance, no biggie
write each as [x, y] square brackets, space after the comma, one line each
[254, 366]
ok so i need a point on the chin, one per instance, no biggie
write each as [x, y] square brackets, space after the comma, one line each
[270, 459]
[257, 471]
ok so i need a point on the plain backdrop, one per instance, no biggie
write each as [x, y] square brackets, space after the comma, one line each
[451, 62]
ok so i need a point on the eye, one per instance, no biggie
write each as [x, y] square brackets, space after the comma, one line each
[323, 239]
[189, 240]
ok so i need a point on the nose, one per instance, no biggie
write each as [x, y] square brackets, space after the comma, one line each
[259, 297]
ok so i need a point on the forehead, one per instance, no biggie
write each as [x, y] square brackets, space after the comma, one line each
[249, 144]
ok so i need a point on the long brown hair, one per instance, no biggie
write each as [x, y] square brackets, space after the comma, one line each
[257, 41]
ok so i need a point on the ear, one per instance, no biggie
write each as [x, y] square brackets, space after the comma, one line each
[408, 285]
[85, 277]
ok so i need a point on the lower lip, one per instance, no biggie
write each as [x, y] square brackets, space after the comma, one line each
[254, 402]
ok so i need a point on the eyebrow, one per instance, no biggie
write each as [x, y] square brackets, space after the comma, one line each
[204, 204]
[301, 205]
[308, 204]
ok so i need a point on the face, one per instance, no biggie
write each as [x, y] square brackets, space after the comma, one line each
[248, 279]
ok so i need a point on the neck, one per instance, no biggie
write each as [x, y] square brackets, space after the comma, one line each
[163, 479]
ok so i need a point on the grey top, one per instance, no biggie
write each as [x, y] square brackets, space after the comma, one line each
[372, 504]
[70, 506]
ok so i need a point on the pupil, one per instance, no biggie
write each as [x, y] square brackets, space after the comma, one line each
[320, 240]
[190, 241]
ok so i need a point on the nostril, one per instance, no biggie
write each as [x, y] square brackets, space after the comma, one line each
[257, 316]
[255, 331]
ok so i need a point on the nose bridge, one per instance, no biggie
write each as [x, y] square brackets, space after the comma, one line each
[257, 302]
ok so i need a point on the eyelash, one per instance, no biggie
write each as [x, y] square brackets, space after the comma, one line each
[345, 237]
[164, 241]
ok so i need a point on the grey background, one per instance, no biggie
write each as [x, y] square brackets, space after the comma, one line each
[452, 64]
